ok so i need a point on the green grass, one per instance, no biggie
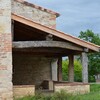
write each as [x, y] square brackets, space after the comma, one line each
[95, 87]
[93, 95]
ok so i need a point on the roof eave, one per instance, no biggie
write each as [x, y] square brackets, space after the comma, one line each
[57, 33]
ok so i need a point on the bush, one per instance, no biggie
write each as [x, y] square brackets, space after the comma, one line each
[77, 70]
[92, 78]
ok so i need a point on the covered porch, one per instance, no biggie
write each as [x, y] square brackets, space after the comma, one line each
[37, 58]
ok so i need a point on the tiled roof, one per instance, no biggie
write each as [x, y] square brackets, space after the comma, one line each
[38, 7]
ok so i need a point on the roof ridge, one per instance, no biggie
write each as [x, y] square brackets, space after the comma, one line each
[38, 7]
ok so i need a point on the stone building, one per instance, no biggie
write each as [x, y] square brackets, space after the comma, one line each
[31, 51]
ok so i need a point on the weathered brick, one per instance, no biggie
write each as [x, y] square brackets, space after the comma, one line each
[7, 96]
[24, 90]
[5, 50]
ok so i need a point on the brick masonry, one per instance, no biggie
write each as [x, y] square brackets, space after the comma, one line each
[34, 14]
[5, 51]
[24, 90]
[30, 70]
[73, 89]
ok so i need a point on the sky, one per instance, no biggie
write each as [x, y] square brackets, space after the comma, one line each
[75, 15]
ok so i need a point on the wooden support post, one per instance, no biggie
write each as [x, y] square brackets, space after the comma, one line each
[71, 68]
[60, 69]
[85, 67]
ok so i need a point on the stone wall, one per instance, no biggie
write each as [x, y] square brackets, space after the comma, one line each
[74, 88]
[30, 70]
[33, 13]
[23, 90]
[5, 51]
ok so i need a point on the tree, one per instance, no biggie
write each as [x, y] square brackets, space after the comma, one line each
[94, 58]
[90, 37]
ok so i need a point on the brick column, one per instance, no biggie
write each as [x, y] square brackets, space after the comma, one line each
[71, 68]
[5, 51]
[60, 69]
[84, 67]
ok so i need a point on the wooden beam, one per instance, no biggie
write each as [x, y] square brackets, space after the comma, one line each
[57, 44]
[54, 32]
[60, 69]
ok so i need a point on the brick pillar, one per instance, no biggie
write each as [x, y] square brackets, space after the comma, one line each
[71, 68]
[84, 67]
[5, 51]
[60, 69]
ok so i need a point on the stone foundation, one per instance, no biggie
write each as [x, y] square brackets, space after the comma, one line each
[23, 90]
[74, 88]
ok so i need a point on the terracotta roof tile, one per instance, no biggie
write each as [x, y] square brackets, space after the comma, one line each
[38, 7]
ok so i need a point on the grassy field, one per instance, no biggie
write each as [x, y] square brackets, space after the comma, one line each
[93, 95]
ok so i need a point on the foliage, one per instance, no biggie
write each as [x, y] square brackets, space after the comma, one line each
[77, 70]
[94, 58]
[90, 37]
[95, 88]
[93, 95]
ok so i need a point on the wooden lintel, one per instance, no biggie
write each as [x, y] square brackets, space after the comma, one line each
[56, 44]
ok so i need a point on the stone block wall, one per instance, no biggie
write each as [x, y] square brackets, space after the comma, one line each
[30, 70]
[72, 88]
[23, 90]
[5, 51]
[27, 10]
